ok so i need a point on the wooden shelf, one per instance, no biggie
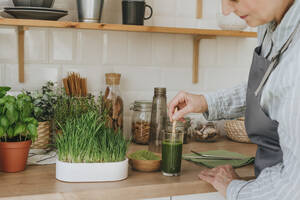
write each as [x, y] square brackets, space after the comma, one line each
[197, 33]
[120, 27]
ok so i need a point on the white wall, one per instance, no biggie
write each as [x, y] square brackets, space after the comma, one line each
[145, 60]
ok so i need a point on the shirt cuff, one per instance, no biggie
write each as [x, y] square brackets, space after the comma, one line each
[234, 189]
[212, 103]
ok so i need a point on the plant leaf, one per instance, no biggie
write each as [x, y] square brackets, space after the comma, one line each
[19, 129]
[10, 132]
[32, 128]
[2, 132]
[4, 122]
[3, 91]
[2, 101]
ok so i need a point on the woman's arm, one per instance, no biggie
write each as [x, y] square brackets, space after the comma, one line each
[226, 104]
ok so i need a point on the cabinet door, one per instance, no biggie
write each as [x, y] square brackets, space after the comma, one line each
[203, 196]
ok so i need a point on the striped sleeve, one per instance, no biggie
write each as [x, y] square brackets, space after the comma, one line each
[226, 104]
[282, 181]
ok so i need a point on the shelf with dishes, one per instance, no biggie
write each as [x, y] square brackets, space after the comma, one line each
[198, 34]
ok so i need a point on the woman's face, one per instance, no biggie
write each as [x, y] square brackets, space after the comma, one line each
[256, 12]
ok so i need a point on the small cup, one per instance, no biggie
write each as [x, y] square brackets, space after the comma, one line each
[134, 12]
[172, 153]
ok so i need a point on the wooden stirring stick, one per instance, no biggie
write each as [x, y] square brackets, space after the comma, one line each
[174, 123]
[174, 128]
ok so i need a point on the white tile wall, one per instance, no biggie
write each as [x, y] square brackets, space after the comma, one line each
[62, 45]
[183, 51]
[35, 76]
[139, 48]
[162, 44]
[139, 78]
[36, 45]
[115, 47]
[8, 47]
[226, 51]
[145, 60]
[89, 45]
[216, 78]
[2, 75]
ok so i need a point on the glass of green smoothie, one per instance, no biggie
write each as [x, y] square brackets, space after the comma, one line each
[172, 153]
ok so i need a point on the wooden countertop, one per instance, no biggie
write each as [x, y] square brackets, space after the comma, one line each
[38, 182]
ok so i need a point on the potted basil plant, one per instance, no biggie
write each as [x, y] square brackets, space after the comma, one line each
[18, 128]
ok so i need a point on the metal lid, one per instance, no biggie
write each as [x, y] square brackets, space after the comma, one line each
[141, 105]
[160, 91]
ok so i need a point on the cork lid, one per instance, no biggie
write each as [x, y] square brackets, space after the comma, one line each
[112, 78]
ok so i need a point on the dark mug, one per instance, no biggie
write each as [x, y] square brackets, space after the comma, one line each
[134, 12]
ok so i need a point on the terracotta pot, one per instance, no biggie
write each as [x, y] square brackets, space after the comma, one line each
[13, 155]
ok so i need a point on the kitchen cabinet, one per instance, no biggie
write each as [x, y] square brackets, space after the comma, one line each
[204, 196]
[198, 34]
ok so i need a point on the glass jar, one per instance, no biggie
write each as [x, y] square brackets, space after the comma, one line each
[182, 127]
[206, 132]
[141, 119]
[158, 125]
[113, 101]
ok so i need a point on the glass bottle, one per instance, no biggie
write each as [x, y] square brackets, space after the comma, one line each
[158, 125]
[141, 119]
[113, 101]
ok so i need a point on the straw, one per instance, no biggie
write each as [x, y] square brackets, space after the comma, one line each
[174, 128]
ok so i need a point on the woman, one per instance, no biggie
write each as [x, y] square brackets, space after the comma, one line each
[270, 102]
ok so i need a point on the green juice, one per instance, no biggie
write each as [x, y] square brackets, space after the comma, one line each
[171, 157]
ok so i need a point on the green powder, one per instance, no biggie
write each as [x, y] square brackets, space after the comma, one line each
[144, 155]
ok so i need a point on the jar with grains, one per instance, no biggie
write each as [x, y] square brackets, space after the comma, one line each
[113, 101]
[141, 119]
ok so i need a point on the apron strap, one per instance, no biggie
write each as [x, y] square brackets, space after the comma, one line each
[275, 61]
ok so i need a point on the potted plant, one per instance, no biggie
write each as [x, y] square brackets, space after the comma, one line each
[18, 128]
[68, 107]
[89, 151]
[43, 101]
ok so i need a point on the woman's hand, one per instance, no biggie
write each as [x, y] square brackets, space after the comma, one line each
[219, 177]
[186, 103]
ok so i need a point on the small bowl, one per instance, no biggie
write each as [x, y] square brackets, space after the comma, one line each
[34, 3]
[145, 165]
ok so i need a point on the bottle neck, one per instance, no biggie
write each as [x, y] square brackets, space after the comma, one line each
[160, 92]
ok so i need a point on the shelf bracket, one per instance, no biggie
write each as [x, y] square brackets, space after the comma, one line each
[196, 55]
[199, 9]
[21, 30]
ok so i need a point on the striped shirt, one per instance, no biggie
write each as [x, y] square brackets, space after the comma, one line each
[281, 102]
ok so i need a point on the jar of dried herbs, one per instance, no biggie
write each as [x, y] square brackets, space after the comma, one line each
[141, 119]
[113, 101]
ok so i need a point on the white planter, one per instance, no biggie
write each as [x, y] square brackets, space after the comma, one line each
[91, 172]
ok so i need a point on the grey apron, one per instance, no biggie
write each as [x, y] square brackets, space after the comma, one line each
[261, 129]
